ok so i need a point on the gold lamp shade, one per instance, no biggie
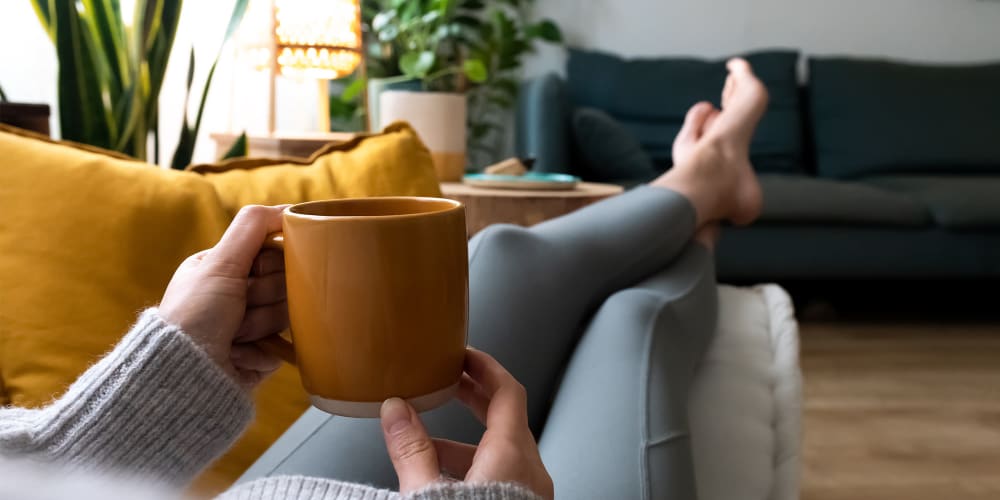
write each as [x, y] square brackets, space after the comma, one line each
[317, 38]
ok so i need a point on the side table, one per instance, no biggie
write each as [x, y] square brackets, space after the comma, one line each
[484, 206]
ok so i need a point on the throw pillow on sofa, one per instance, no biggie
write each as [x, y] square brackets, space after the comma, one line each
[881, 117]
[89, 238]
[609, 152]
[650, 97]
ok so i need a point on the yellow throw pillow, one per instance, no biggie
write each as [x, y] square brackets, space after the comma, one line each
[88, 238]
[392, 163]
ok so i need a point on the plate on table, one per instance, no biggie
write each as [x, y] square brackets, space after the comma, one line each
[530, 180]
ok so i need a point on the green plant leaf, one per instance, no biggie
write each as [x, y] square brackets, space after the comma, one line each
[238, 149]
[3, 96]
[190, 73]
[383, 19]
[417, 64]
[475, 70]
[81, 114]
[44, 14]
[185, 149]
[546, 30]
[431, 17]
[473, 4]
[189, 136]
[353, 90]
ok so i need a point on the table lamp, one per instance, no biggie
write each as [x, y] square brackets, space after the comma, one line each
[316, 39]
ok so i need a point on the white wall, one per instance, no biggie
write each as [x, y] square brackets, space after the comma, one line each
[238, 99]
[923, 30]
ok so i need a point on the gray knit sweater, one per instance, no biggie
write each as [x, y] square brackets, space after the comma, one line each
[145, 420]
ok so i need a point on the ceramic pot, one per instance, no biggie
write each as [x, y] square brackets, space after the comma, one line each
[439, 118]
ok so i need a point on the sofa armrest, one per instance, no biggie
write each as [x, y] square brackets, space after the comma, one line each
[543, 124]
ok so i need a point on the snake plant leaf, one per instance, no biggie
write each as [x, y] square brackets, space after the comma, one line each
[185, 149]
[108, 31]
[80, 101]
[238, 149]
[189, 133]
[44, 12]
[3, 96]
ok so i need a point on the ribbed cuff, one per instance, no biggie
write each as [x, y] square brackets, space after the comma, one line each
[304, 488]
[156, 405]
[467, 491]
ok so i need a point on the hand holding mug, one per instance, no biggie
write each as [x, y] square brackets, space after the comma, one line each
[232, 295]
[507, 451]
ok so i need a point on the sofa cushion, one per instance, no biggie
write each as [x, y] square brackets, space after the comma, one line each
[608, 152]
[799, 199]
[90, 237]
[955, 202]
[651, 96]
[879, 117]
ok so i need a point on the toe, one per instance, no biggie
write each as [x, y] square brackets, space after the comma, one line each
[694, 121]
[739, 66]
[692, 130]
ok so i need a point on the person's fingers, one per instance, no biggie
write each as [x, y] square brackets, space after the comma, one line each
[694, 121]
[410, 448]
[508, 409]
[236, 251]
[252, 357]
[471, 394]
[260, 322]
[454, 458]
[266, 290]
[268, 261]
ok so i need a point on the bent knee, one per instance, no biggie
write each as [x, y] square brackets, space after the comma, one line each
[506, 239]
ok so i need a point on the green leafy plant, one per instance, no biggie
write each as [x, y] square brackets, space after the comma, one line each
[472, 46]
[425, 38]
[111, 72]
[3, 96]
[501, 38]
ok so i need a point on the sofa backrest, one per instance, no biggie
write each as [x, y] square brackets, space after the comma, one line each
[873, 117]
[651, 96]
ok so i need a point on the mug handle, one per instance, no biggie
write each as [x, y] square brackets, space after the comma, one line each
[276, 344]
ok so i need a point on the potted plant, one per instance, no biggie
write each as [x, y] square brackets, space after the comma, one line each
[34, 117]
[111, 71]
[445, 51]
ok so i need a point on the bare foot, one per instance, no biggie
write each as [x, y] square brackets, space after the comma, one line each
[716, 174]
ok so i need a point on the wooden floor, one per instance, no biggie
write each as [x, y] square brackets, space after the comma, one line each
[901, 411]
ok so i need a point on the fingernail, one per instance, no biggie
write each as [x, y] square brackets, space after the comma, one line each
[395, 415]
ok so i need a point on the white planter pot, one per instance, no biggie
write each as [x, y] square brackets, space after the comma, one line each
[439, 119]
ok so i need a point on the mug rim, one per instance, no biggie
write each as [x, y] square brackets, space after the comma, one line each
[291, 210]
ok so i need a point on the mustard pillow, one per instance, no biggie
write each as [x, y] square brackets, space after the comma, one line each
[89, 237]
[391, 164]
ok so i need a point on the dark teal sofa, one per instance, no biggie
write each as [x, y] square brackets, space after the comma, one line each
[870, 169]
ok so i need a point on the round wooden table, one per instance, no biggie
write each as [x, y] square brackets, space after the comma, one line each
[486, 206]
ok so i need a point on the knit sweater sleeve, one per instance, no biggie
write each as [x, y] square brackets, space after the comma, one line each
[312, 488]
[155, 406]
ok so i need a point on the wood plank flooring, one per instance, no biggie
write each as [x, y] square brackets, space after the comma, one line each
[901, 411]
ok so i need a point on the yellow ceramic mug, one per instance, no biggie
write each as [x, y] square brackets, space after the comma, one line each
[377, 299]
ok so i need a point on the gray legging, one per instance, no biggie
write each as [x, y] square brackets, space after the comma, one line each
[603, 315]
